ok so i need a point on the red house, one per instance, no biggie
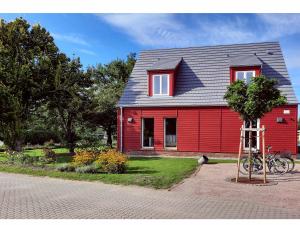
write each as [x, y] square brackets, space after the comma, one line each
[173, 102]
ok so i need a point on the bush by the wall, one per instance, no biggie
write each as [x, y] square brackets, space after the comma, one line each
[112, 161]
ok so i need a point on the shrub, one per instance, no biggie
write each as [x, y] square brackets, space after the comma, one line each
[21, 158]
[112, 161]
[49, 154]
[104, 148]
[40, 136]
[93, 168]
[85, 157]
[66, 167]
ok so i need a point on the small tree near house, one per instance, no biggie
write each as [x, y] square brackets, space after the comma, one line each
[254, 100]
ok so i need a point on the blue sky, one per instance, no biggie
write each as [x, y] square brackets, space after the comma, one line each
[99, 38]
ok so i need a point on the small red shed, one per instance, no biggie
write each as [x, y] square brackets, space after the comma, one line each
[173, 101]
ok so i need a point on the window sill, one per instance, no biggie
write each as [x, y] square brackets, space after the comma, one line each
[147, 148]
[161, 96]
[170, 148]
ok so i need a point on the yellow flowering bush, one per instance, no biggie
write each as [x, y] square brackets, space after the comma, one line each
[112, 161]
[85, 157]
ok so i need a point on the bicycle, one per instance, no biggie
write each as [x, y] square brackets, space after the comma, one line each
[274, 163]
[288, 157]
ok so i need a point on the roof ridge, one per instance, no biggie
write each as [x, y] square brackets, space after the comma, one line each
[212, 46]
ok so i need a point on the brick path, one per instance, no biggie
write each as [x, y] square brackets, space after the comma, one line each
[206, 195]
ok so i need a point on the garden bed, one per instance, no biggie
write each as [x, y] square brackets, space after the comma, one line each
[152, 172]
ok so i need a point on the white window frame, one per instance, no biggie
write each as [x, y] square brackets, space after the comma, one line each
[244, 73]
[257, 138]
[143, 121]
[160, 84]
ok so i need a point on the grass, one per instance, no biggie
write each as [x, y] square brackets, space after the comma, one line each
[152, 172]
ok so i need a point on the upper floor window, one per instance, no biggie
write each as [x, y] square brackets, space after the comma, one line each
[244, 75]
[161, 84]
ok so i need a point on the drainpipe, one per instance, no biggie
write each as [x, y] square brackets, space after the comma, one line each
[121, 129]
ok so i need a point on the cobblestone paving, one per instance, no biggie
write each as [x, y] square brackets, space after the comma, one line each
[201, 196]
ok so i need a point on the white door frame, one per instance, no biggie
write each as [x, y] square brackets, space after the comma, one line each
[166, 147]
[257, 138]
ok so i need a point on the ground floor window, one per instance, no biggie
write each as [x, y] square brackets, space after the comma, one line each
[148, 132]
[255, 136]
[170, 132]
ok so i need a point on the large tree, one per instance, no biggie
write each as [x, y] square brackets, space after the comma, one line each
[70, 98]
[28, 61]
[110, 81]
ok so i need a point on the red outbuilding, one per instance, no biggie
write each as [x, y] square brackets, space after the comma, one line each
[173, 102]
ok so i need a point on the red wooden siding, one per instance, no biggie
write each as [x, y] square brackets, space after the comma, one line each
[281, 136]
[208, 129]
[188, 129]
[118, 129]
[210, 132]
[131, 131]
[257, 70]
[230, 130]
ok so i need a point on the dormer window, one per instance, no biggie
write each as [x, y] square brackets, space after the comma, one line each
[162, 76]
[161, 85]
[244, 75]
[244, 67]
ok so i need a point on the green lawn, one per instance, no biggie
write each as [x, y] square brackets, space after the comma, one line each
[152, 172]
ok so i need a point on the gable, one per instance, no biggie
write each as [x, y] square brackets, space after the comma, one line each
[204, 73]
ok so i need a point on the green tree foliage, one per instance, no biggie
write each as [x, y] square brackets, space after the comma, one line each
[109, 81]
[28, 60]
[70, 98]
[253, 101]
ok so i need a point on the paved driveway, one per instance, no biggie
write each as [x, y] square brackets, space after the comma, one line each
[206, 195]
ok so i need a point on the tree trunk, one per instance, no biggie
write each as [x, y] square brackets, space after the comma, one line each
[70, 135]
[18, 145]
[71, 141]
[250, 151]
[109, 138]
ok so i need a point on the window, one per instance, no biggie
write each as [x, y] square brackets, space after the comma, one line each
[170, 132]
[245, 76]
[161, 84]
[255, 135]
[148, 132]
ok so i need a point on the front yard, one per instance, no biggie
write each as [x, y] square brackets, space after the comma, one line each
[152, 172]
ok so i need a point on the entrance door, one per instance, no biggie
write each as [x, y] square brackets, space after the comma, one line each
[147, 132]
[255, 135]
[170, 133]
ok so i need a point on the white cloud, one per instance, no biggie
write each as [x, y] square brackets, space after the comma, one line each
[88, 52]
[72, 38]
[150, 29]
[279, 25]
[167, 30]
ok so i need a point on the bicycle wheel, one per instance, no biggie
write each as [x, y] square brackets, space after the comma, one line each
[256, 163]
[281, 166]
[244, 167]
[290, 162]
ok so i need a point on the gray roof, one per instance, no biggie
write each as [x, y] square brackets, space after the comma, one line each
[244, 60]
[165, 64]
[203, 74]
